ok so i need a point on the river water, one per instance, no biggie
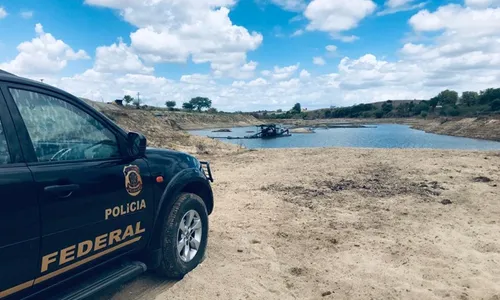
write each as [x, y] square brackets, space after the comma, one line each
[381, 136]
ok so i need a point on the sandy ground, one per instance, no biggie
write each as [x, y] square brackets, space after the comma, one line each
[344, 223]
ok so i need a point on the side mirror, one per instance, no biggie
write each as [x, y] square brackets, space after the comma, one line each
[136, 144]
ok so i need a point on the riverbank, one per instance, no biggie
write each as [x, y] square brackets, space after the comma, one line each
[344, 223]
[481, 128]
[478, 128]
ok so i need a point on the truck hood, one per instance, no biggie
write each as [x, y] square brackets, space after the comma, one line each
[166, 156]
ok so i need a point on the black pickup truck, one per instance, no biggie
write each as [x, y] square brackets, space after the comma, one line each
[84, 204]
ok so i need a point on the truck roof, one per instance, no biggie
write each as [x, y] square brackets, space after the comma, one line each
[6, 76]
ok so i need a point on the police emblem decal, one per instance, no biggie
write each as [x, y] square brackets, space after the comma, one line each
[133, 180]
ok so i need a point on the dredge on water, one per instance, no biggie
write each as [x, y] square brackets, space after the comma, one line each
[265, 131]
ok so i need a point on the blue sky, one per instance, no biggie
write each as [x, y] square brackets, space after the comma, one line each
[251, 58]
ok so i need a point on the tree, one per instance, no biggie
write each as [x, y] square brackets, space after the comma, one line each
[387, 107]
[128, 99]
[187, 106]
[448, 97]
[495, 105]
[296, 109]
[170, 104]
[279, 110]
[433, 102]
[212, 110]
[469, 98]
[452, 112]
[488, 96]
[201, 102]
[423, 106]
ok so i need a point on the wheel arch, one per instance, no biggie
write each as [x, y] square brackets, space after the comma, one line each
[187, 181]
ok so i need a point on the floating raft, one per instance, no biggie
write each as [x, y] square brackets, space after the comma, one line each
[266, 131]
[248, 137]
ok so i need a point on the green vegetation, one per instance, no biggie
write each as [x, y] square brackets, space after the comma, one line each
[296, 109]
[170, 105]
[188, 106]
[446, 103]
[199, 103]
[128, 99]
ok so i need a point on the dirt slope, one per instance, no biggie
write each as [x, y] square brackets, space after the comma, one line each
[162, 132]
[343, 223]
[190, 121]
[480, 128]
[185, 120]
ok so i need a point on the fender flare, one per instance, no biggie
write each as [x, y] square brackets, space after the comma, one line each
[175, 186]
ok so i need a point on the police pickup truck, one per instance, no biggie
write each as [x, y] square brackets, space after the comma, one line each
[84, 204]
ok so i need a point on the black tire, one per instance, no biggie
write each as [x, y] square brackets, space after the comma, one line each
[171, 264]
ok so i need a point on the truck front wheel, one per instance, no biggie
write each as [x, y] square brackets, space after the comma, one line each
[184, 236]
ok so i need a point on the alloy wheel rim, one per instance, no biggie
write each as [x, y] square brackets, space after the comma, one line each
[189, 236]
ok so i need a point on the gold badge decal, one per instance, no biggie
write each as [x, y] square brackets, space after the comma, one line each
[133, 180]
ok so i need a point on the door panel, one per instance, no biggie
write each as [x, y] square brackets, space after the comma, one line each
[94, 202]
[19, 229]
[77, 227]
[19, 214]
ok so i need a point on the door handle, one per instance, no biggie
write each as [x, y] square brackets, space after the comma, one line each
[62, 191]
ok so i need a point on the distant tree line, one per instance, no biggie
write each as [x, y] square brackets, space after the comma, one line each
[446, 103]
[198, 104]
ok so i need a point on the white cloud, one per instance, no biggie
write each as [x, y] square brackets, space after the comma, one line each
[291, 5]
[457, 20]
[298, 32]
[345, 38]
[258, 82]
[42, 55]
[175, 31]
[292, 83]
[395, 6]
[397, 3]
[463, 56]
[331, 48]
[297, 18]
[238, 83]
[197, 79]
[119, 58]
[281, 73]
[463, 45]
[318, 60]
[482, 3]
[304, 74]
[266, 73]
[335, 17]
[27, 14]
[457, 54]
[3, 13]
[368, 72]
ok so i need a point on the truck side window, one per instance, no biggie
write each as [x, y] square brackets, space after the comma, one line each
[59, 131]
[4, 151]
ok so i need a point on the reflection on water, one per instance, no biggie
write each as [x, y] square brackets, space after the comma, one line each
[382, 136]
